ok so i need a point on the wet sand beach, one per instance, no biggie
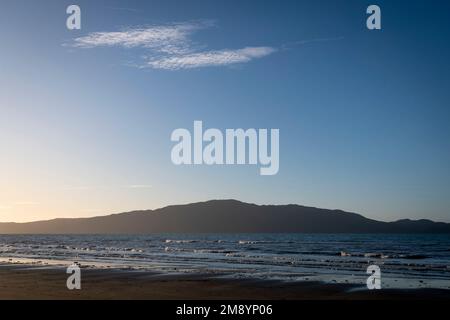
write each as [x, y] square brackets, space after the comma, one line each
[31, 282]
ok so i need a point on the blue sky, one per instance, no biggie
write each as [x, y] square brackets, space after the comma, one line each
[363, 115]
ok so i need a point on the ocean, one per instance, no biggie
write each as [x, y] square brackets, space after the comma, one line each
[406, 261]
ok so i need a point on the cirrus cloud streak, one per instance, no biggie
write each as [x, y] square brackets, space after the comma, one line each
[210, 58]
[170, 47]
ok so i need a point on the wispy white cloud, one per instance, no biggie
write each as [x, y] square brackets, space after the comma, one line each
[18, 204]
[310, 41]
[26, 203]
[123, 9]
[88, 188]
[171, 47]
[168, 39]
[81, 188]
[94, 211]
[210, 58]
[139, 186]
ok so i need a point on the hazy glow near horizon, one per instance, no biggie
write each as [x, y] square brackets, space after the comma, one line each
[86, 116]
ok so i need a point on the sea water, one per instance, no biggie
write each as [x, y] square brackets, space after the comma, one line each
[406, 261]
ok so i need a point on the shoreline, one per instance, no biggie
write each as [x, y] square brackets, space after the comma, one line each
[25, 282]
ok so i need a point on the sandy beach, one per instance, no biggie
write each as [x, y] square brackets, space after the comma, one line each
[25, 282]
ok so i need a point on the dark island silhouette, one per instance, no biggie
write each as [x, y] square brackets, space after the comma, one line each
[226, 216]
